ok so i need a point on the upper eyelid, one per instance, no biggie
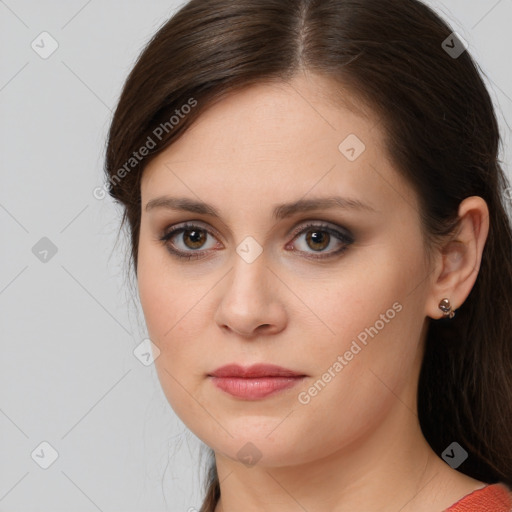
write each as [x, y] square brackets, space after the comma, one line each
[302, 224]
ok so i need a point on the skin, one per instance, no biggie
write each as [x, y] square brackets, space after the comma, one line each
[357, 445]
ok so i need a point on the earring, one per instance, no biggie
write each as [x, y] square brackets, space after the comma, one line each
[446, 308]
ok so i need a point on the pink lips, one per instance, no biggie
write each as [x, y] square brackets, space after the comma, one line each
[254, 382]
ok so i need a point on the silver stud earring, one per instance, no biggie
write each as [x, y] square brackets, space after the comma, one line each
[446, 308]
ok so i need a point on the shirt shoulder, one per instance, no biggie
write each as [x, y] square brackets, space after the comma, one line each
[491, 498]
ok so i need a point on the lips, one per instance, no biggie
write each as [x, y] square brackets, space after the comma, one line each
[254, 382]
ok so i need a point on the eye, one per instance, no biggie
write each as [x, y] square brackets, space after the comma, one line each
[192, 239]
[321, 236]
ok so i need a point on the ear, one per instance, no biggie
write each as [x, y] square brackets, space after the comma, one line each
[458, 261]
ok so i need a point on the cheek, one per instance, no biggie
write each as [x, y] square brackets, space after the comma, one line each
[163, 293]
[362, 374]
[371, 328]
[352, 303]
[156, 301]
[171, 310]
[175, 314]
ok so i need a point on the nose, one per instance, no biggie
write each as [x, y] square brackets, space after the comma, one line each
[251, 303]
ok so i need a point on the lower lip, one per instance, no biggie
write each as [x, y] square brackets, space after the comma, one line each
[254, 388]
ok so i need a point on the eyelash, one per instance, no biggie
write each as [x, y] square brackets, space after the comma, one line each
[346, 239]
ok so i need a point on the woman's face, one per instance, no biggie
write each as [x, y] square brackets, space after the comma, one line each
[335, 292]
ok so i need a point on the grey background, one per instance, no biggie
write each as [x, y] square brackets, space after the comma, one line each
[69, 324]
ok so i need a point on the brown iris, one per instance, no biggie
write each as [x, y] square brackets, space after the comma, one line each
[319, 238]
[197, 236]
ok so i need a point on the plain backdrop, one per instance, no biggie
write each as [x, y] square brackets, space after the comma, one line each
[69, 320]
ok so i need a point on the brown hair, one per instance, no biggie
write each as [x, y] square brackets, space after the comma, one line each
[441, 133]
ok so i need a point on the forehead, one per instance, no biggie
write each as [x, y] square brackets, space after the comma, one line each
[278, 138]
[265, 116]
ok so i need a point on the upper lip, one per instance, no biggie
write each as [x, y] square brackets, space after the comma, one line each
[256, 370]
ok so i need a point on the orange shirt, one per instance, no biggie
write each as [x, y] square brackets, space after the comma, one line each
[492, 498]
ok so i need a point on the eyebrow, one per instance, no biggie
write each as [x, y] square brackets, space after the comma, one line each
[280, 211]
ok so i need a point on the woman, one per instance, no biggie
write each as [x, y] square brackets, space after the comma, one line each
[322, 249]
